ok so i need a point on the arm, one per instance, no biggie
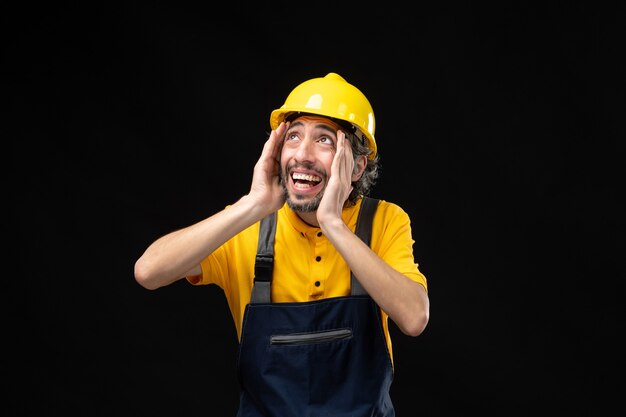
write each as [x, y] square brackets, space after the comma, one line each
[405, 301]
[179, 253]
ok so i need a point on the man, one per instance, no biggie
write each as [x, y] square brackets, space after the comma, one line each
[310, 292]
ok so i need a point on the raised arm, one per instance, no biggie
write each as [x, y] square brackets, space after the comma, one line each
[404, 300]
[179, 253]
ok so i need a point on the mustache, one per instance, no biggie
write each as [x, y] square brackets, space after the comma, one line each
[305, 165]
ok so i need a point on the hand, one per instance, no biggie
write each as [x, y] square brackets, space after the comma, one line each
[339, 183]
[266, 189]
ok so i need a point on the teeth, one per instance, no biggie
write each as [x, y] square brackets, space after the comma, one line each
[305, 177]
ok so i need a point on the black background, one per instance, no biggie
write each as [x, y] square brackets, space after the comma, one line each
[501, 133]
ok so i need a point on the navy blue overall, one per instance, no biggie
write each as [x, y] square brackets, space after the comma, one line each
[326, 357]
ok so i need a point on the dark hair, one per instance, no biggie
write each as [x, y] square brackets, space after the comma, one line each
[363, 185]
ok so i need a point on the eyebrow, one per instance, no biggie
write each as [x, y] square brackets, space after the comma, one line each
[317, 126]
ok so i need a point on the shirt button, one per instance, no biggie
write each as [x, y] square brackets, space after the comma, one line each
[318, 258]
[317, 283]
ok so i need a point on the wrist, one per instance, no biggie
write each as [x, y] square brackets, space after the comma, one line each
[253, 207]
[333, 226]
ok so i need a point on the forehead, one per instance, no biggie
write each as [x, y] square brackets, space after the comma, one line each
[316, 121]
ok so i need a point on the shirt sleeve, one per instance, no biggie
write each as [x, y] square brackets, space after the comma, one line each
[393, 241]
[214, 269]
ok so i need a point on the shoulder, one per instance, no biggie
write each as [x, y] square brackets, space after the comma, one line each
[391, 209]
[390, 217]
[391, 229]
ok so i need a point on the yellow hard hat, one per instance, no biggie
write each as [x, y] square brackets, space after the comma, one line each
[331, 96]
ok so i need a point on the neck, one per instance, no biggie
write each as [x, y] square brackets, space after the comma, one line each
[309, 218]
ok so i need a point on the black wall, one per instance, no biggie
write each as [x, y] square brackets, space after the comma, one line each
[501, 134]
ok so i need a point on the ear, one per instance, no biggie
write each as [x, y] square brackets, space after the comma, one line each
[359, 166]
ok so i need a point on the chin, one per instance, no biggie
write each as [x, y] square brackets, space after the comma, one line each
[304, 205]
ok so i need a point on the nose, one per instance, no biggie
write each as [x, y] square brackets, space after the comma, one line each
[305, 150]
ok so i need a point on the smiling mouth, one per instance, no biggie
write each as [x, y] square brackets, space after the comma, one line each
[303, 181]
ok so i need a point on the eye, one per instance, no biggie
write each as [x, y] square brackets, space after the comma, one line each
[327, 140]
[290, 136]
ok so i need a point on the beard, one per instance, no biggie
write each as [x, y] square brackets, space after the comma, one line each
[302, 206]
[297, 203]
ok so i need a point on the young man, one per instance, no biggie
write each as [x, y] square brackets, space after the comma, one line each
[310, 292]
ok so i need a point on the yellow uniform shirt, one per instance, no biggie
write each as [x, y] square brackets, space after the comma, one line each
[306, 265]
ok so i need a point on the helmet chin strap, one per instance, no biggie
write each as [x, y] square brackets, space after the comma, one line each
[360, 136]
[352, 129]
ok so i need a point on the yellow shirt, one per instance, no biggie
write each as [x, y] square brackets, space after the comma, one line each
[306, 265]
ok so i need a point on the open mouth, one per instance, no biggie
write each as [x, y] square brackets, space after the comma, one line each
[302, 181]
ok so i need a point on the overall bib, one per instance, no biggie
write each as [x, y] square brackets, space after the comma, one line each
[326, 357]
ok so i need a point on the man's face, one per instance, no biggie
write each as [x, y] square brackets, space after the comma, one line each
[306, 158]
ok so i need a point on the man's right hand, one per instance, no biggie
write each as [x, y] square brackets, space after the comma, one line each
[266, 189]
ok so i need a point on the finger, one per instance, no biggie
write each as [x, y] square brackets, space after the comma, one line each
[346, 155]
[281, 130]
[340, 145]
[347, 147]
[274, 143]
[335, 167]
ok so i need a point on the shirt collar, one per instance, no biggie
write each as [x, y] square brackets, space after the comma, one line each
[349, 215]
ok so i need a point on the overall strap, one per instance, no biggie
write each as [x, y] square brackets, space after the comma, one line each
[264, 265]
[364, 231]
